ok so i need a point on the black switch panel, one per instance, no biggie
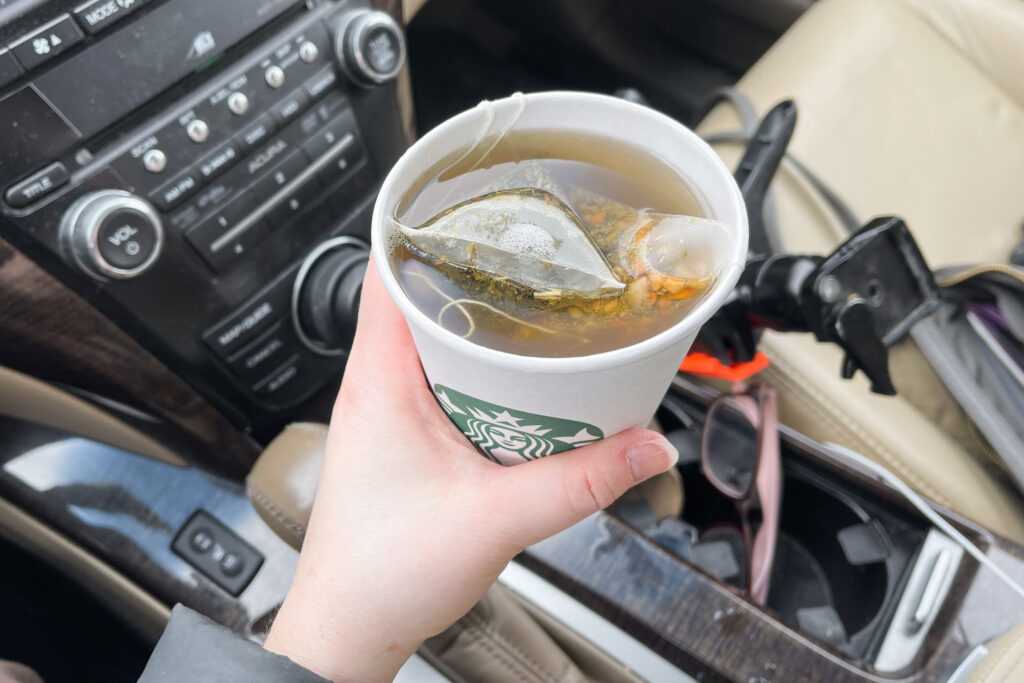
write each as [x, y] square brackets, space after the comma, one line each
[217, 552]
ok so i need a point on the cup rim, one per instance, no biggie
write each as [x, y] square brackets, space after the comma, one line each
[689, 324]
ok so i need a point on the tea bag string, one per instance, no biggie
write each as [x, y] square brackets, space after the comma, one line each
[481, 136]
[521, 102]
[451, 301]
[460, 303]
[460, 306]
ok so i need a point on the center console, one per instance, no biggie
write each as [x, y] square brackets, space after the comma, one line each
[864, 587]
[174, 161]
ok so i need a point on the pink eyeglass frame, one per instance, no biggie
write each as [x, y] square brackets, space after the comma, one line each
[759, 405]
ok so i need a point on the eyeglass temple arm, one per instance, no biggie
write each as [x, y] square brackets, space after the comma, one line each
[769, 493]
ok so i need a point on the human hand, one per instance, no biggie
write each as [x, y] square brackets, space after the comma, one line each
[411, 524]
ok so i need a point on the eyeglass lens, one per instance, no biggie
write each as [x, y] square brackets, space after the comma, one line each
[730, 449]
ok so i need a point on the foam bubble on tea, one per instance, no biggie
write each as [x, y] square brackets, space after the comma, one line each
[555, 246]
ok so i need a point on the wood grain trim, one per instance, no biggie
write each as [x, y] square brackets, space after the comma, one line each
[49, 332]
[26, 398]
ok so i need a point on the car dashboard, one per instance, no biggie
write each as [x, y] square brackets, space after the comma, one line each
[167, 185]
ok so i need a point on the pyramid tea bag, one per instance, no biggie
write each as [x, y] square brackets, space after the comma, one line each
[678, 255]
[523, 237]
[552, 255]
[674, 252]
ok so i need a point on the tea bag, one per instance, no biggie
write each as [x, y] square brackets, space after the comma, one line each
[529, 174]
[674, 251]
[525, 236]
[676, 255]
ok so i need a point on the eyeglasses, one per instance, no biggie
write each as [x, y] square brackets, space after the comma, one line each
[740, 457]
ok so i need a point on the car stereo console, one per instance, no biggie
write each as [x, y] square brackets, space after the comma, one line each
[174, 161]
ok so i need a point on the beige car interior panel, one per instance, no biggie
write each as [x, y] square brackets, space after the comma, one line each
[499, 641]
[410, 8]
[1004, 661]
[32, 400]
[885, 90]
[137, 607]
[574, 626]
[283, 482]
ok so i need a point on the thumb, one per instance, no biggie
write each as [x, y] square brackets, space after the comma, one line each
[551, 494]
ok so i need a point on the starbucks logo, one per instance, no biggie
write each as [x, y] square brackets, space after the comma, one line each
[510, 436]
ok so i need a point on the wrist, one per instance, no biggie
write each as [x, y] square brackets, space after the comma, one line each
[332, 637]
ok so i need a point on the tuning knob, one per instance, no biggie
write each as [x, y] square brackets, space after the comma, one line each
[325, 297]
[111, 234]
[369, 45]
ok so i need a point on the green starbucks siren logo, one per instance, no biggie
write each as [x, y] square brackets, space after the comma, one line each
[510, 436]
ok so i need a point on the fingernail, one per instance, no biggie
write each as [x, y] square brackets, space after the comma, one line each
[650, 458]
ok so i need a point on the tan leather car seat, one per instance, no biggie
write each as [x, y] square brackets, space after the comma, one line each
[912, 108]
[1004, 661]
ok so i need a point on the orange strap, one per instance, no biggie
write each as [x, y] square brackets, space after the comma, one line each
[708, 366]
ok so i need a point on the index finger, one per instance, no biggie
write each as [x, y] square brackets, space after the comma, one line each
[383, 344]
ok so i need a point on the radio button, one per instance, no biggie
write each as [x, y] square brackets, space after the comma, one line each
[281, 377]
[209, 234]
[155, 161]
[47, 42]
[345, 161]
[274, 75]
[308, 51]
[238, 248]
[282, 174]
[290, 107]
[306, 125]
[37, 185]
[175, 191]
[99, 14]
[238, 103]
[197, 130]
[321, 82]
[255, 133]
[296, 203]
[257, 360]
[329, 135]
[218, 161]
[330, 104]
[247, 323]
[292, 382]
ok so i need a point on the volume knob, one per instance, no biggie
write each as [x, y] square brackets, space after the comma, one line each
[111, 234]
[369, 45]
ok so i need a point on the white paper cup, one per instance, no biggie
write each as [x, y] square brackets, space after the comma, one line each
[518, 408]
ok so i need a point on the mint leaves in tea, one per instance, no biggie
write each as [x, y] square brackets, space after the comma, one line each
[555, 245]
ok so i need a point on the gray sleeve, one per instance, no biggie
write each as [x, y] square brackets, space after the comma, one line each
[194, 649]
